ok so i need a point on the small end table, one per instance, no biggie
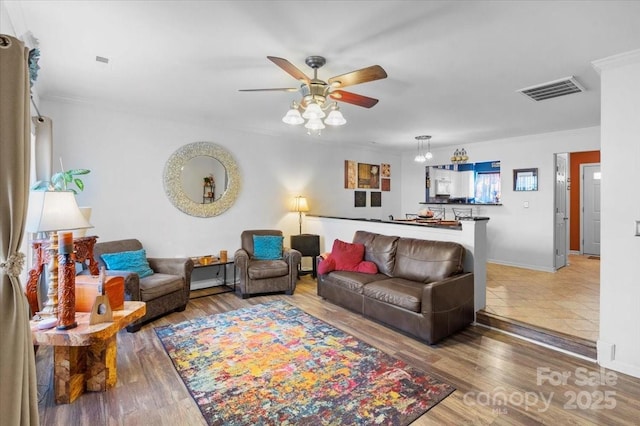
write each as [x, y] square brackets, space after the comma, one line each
[307, 245]
[84, 358]
[225, 287]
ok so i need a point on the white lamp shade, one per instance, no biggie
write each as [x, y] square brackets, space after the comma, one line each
[419, 158]
[54, 211]
[293, 117]
[335, 118]
[313, 111]
[315, 124]
[299, 204]
[428, 155]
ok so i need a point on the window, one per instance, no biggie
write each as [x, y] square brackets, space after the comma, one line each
[487, 188]
[525, 179]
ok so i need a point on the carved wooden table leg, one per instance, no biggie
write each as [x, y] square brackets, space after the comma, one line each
[40, 258]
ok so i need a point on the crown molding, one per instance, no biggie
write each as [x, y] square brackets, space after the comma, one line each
[616, 61]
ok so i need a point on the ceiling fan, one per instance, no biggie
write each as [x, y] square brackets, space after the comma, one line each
[316, 92]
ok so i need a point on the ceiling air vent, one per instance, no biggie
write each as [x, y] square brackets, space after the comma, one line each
[553, 89]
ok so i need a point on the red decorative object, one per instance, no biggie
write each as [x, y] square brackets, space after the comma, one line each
[66, 292]
[87, 291]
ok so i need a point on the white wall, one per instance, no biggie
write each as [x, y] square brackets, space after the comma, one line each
[126, 154]
[619, 343]
[517, 236]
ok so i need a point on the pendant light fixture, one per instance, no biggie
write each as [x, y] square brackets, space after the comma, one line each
[459, 156]
[420, 157]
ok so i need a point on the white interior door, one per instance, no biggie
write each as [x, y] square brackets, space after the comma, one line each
[591, 209]
[560, 209]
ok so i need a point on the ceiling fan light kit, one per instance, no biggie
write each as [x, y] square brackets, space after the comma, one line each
[313, 106]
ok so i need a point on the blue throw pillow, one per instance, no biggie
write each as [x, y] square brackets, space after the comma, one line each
[134, 261]
[267, 247]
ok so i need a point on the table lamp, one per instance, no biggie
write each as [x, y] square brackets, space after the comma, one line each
[50, 212]
[299, 204]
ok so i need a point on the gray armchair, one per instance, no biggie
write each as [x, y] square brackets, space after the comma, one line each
[167, 290]
[265, 276]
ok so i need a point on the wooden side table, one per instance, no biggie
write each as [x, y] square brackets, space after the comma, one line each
[83, 251]
[307, 245]
[84, 358]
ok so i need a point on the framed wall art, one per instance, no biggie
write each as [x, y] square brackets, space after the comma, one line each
[368, 176]
[525, 179]
[376, 199]
[350, 174]
[360, 198]
[385, 184]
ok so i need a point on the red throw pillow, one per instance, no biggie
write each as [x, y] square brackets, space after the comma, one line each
[367, 267]
[327, 265]
[347, 256]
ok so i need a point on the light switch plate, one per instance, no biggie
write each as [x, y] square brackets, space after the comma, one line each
[526, 204]
[637, 228]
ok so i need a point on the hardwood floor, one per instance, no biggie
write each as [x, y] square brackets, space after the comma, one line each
[499, 379]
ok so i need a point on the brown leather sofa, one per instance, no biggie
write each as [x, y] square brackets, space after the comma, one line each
[420, 287]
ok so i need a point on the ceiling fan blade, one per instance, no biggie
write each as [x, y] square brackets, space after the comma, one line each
[289, 68]
[283, 89]
[353, 98]
[374, 72]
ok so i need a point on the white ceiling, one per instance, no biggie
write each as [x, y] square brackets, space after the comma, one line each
[453, 66]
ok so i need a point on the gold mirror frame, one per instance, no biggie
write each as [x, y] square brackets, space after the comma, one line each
[173, 182]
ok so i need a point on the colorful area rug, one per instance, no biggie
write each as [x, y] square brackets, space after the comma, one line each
[274, 364]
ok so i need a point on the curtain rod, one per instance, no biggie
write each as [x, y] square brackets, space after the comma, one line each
[36, 108]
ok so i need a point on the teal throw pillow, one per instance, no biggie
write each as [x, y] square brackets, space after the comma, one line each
[134, 261]
[267, 247]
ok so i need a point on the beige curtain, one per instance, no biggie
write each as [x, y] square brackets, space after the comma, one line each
[18, 392]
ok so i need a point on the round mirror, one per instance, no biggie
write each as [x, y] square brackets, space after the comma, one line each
[202, 179]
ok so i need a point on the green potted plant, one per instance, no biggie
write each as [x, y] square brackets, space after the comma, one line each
[60, 181]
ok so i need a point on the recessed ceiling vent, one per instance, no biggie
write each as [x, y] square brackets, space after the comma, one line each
[553, 89]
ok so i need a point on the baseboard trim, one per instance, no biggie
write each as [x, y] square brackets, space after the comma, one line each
[573, 344]
[518, 265]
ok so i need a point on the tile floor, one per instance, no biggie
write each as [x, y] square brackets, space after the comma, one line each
[567, 300]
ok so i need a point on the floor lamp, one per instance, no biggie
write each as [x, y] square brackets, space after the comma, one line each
[300, 205]
[50, 212]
